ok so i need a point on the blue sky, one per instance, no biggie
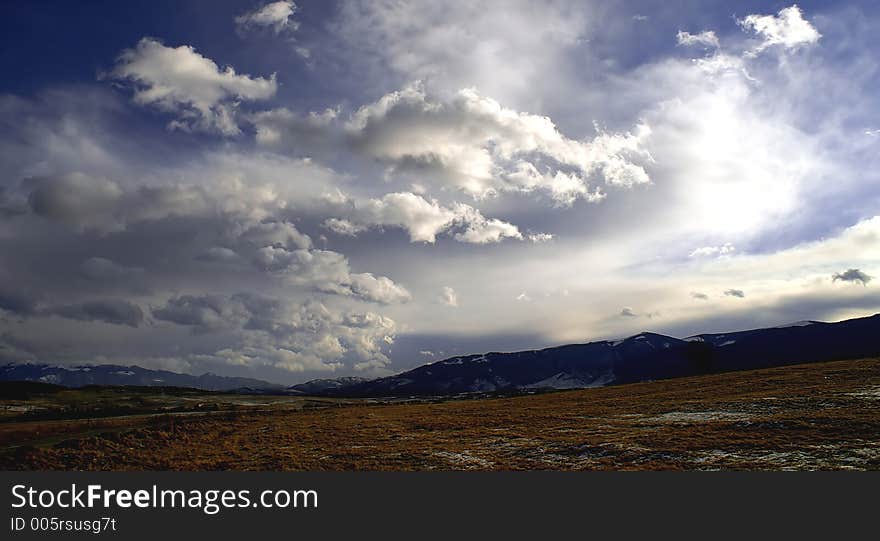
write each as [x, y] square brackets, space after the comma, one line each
[316, 189]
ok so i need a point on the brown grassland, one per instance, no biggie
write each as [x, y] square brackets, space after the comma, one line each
[813, 416]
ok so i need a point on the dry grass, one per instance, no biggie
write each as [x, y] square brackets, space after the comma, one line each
[817, 416]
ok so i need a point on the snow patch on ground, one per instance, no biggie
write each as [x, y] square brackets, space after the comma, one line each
[697, 417]
[868, 393]
[795, 324]
[464, 459]
[566, 381]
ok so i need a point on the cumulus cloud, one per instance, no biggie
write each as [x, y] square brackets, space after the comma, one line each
[706, 39]
[699, 296]
[477, 146]
[328, 272]
[448, 296]
[379, 289]
[423, 219]
[243, 216]
[271, 331]
[852, 275]
[277, 234]
[179, 80]
[282, 127]
[481, 230]
[627, 312]
[788, 29]
[274, 15]
[735, 293]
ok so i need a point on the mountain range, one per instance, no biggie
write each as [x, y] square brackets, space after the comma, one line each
[111, 374]
[642, 357]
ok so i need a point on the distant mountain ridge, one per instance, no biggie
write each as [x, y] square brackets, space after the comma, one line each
[642, 357]
[110, 374]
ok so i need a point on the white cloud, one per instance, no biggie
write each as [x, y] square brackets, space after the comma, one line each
[455, 44]
[329, 272]
[481, 230]
[628, 312]
[539, 237]
[379, 289]
[477, 146]
[706, 39]
[344, 227]
[787, 28]
[449, 297]
[724, 249]
[258, 330]
[181, 81]
[274, 15]
[423, 219]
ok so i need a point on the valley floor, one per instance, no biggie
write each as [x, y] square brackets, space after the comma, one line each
[814, 416]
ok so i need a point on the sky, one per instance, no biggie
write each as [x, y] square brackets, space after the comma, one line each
[293, 190]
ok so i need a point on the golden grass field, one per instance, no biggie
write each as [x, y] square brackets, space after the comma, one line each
[814, 416]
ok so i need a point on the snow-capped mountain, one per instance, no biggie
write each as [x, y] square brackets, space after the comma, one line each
[643, 357]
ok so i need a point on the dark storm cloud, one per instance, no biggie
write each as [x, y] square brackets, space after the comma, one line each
[203, 313]
[114, 311]
[104, 270]
[16, 302]
[10, 205]
[852, 275]
[88, 202]
[218, 254]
